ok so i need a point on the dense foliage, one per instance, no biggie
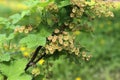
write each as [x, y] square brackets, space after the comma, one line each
[54, 25]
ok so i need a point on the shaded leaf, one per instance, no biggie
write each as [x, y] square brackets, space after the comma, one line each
[45, 31]
[11, 36]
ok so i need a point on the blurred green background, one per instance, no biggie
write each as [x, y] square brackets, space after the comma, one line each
[104, 45]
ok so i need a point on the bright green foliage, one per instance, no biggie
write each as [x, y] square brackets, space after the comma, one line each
[1, 77]
[33, 40]
[5, 57]
[15, 70]
[18, 65]
[20, 77]
[2, 38]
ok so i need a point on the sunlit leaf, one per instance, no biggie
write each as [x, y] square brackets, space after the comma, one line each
[33, 40]
[4, 57]
[15, 18]
[20, 77]
[14, 68]
[25, 13]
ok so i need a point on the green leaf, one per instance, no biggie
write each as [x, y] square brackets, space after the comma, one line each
[45, 31]
[1, 77]
[49, 21]
[3, 20]
[4, 57]
[33, 40]
[15, 18]
[34, 3]
[14, 68]
[64, 3]
[39, 77]
[31, 3]
[45, 3]
[20, 77]
[11, 36]
[25, 13]
[2, 38]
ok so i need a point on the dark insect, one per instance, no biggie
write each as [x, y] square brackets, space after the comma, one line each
[32, 62]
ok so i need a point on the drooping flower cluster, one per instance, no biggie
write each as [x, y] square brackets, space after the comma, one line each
[23, 29]
[91, 8]
[61, 41]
